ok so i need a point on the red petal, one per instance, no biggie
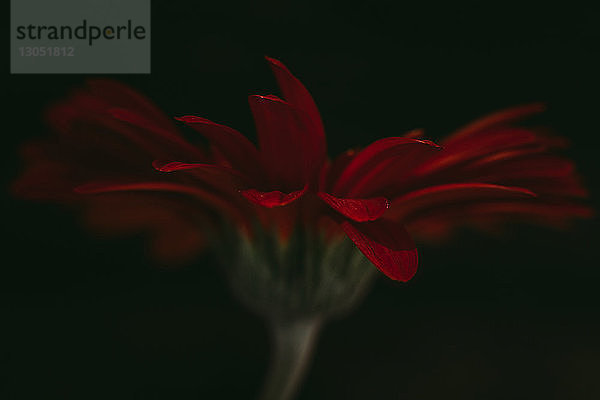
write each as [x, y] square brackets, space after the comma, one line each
[490, 215]
[118, 95]
[225, 179]
[500, 117]
[507, 155]
[387, 245]
[140, 121]
[175, 225]
[85, 121]
[458, 152]
[569, 186]
[296, 94]
[170, 166]
[557, 211]
[451, 194]
[360, 210]
[514, 170]
[283, 134]
[376, 154]
[234, 146]
[205, 195]
[274, 198]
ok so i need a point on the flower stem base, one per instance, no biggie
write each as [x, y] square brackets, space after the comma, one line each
[293, 345]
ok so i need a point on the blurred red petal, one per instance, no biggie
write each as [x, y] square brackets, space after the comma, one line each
[122, 96]
[500, 117]
[454, 193]
[141, 122]
[209, 197]
[514, 170]
[439, 223]
[177, 245]
[473, 147]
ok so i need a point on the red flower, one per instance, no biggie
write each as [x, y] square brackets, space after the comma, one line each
[110, 138]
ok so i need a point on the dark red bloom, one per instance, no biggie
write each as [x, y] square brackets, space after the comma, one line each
[113, 141]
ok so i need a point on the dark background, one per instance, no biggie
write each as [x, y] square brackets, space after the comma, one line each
[485, 318]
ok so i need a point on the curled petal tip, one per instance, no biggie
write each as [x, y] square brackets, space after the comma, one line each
[273, 198]
[527, 192]
[266, 98]
[276, 63]
[162, 166]
[170, 166]
[272, 60]
[430, 143]
[192, 119]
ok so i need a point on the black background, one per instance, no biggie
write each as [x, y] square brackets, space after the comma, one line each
[485, 318]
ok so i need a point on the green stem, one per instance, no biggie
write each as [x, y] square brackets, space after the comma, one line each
[293, 343]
